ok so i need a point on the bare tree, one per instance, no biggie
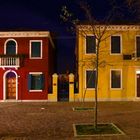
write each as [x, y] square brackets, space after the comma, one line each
[99, 29]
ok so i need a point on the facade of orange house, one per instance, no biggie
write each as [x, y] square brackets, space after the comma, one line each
[26, 65]
[119, 63]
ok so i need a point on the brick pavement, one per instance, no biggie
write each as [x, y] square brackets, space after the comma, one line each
[53, 121]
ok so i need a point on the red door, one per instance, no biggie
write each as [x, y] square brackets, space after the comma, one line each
[138, 85]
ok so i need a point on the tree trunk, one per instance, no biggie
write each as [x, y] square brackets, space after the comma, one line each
[96, 87]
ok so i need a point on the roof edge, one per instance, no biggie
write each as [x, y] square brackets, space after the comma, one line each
[109, 27]
[24, 34]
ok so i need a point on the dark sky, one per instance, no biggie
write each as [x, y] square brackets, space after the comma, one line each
[45, 15]
[40, 15]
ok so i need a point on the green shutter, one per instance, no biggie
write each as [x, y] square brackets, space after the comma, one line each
[42, 81]
[29, 81]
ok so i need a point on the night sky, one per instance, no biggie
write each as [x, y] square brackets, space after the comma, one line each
[45, 15]
[40, 15]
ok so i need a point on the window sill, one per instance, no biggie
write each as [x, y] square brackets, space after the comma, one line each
[35, 90]
[90, 88]
[115, 88]
[115, 53]
[90, 53]
[35, 57]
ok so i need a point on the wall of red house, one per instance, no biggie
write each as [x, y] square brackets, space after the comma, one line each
[29, 65]
[24, 93]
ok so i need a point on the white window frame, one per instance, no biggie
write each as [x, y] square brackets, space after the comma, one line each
[86, 46]
[86, 79]
[41, 43]
[120, 45]
[10, 39]
[35, 73]
[111, 80]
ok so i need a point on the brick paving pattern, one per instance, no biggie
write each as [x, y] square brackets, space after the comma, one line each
[53, 121]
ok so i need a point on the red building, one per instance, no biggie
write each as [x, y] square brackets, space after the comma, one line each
[26, 65]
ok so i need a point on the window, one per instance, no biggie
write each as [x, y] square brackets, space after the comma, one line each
[115, 78]
[35, 81]
[138, 45]
[11, 47]
[35, 49]
[115, 45]
[90, 78]
[90, 44]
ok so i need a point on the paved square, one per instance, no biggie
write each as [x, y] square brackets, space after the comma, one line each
[54, 121]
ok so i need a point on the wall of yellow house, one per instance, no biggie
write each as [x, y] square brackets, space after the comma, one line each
[109, 61]
[127, 92]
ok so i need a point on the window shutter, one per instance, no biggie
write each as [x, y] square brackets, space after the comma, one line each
[29, 82]
[42, 81]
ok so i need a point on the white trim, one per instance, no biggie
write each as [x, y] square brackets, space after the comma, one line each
[4, 84]
[110, 27]
[111, 77]
[41, 47]
[35, 90]
[25, 34]
[107, 99]
[3, 67]
[86, 79]
[85, 46]
[10, 39]
[35, 73]
[27, 100]
[120, 44]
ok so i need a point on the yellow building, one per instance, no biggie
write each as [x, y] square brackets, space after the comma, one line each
[119, 62]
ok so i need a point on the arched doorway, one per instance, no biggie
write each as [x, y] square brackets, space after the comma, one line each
[10, 85]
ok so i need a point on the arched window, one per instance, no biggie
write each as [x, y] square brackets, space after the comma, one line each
[11, 47]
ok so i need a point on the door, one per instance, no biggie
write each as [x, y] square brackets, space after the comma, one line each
[11, 88]
[63, 88]
[138, 85]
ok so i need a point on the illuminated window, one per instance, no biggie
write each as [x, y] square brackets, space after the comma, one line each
[115, 45]
[115, 78]
[90, 44]
[90, 78]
